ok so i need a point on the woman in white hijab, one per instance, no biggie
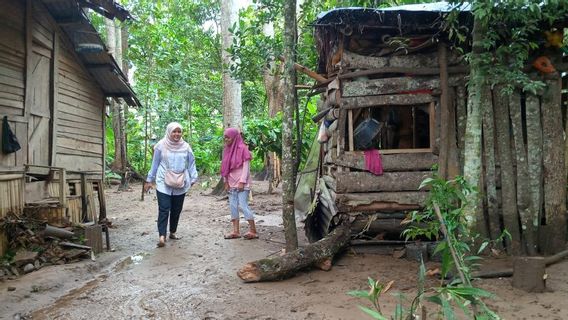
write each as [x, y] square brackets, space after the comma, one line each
[173, 172]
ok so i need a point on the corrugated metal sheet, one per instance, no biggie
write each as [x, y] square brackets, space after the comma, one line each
[90, 47]
[409, 16]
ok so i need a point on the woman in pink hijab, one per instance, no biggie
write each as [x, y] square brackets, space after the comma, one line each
[235, 170]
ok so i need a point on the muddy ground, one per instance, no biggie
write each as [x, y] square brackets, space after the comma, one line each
[195, 277]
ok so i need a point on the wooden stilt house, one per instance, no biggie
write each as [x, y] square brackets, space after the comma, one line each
[396, 84]
[55, 78]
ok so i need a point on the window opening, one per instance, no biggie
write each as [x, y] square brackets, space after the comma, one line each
[396, 128]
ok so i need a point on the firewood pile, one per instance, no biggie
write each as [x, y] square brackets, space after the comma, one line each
[34, 244]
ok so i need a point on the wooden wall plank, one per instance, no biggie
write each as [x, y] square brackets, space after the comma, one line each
[7, 80]
[81, 126]
[386, 100]
[79, 118]
[13, 37]
[390, 181]
[80, 138]
[389, 86]
[78, 86]
[63, 128]
[404, 197]
[79, 163]
[73, 103]
[429, 60]
[79, 145]
[15, 105]
[391, 162]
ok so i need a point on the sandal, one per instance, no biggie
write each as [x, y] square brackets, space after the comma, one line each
[173, 236]
[249, 236]
[162, 242]
[232, 235]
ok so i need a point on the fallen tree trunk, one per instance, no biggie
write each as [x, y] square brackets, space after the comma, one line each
[505, 273]
[286, 266]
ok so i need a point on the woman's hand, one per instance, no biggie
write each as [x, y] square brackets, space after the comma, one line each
[241, 186]
[226, 186]
[148, 186]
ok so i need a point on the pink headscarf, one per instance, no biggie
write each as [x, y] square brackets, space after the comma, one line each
[234, 154]
[168, 143]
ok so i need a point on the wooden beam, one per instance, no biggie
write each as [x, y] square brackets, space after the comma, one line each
[386, 100]
[312, 74]
[28, 89]
[416, 61]
[404, 70]
[390, 162]
[84, 200]
[392, 86]
[62, 188]
[383, 200]
[54, 103]
[390, 181]
[350, 130]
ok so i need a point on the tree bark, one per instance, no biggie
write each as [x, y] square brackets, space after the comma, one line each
[490, 176]
[534, 160]
[120, 163]
[523, 190]
[508, 187]
[273, 85]
[472, 160]
[461, 115]
[554, 168]
[286, 266]
[232, 105]
[290, 100]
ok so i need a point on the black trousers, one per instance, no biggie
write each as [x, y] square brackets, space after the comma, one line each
[169, 206]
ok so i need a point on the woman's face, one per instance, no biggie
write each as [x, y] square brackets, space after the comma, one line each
[176, 134]
[228, 140]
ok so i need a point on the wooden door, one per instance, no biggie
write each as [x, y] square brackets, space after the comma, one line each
[39, 88]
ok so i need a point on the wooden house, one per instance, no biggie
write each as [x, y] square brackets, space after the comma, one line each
[396, 84]
[55, 78]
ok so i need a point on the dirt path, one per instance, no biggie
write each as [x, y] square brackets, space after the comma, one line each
[195, 277]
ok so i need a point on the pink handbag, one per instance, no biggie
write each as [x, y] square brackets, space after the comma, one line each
[173, 179]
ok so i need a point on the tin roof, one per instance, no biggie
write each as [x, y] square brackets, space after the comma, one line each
[419, 16]
[89, 46]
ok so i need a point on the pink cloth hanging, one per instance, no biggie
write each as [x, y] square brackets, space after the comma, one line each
[373, 162]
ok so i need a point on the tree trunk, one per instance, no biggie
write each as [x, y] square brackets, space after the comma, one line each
[534, 160]
[120, 163]
[508, 188]
[273, 85]
[490, 176]
[286, 266]
[472, 156]
[125, 69]
[232, 105]
[554, 168]
[523, 190]
[461, 115]
[288, 184]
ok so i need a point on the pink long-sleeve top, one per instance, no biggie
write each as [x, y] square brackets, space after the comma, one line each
[240, 175]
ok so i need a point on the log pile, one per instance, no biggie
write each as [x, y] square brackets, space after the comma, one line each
[36, 245]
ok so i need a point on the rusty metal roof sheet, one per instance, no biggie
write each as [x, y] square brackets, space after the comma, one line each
[413, 16]
[89, 46]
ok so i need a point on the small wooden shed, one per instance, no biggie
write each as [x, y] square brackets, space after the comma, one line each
[394, 71]
[55, 78]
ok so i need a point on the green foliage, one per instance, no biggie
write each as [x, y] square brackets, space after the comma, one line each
[450, 197]
[445, 204]
[376, 289]
[515, 36]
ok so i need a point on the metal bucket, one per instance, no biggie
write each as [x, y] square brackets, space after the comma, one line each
[365, 133]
